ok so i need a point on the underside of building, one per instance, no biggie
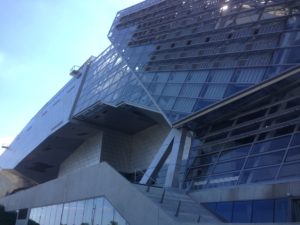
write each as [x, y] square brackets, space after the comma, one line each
[191, 116]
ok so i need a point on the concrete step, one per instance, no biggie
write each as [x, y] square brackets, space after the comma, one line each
[189, 211]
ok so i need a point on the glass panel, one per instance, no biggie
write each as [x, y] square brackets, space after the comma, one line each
[98, 211]
[119, 219]
[215, 91]
[221, 76]
[250, 75]
[206, 159]
[177, 77]
[264, 160]
[288, 171]
[88, 212]
[184, 105]
[296, 210]
[211, 205]
[263, 211]
[224, 209]
[259, 175]
[191, 90]
[202, 171]
[48, 215]
[274, 144]
[43, 215]
[79, 213]
[108, 213]
[197, 76]
[293, 154]
[281, 210]
[52, 215]
[242, 212]
[64, 219]
[172, 90]
[235, 153]
[72, 211]
[58, 215]
[296, 140]
[229, 166]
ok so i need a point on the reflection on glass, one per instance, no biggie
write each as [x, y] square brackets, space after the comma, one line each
[108, 213]
[88, 212]
[258, 175]
[64, 218]
[271, 145]
[79, 213]
[119, 219]
[264, 160]
[58, 215]
[96, 211]
[235, 153]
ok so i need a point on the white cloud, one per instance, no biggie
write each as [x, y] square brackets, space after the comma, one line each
[5, 141]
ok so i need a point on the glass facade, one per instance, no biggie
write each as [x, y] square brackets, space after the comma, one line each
[254, 211]
[259, 144]
[191, 54]
[109, 81]
[97, 211]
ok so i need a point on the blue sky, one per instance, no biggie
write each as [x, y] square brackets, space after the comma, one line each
[40, 41]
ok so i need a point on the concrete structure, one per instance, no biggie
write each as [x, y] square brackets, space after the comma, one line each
[190, 116]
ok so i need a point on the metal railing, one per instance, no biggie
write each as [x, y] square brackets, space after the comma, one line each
[163, 194]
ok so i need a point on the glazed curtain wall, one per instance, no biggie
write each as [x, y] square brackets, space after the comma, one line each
[97, 211]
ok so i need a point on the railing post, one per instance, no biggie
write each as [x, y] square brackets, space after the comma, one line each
[199, 219]
[163, 196]
[178, 208]
[148, 188]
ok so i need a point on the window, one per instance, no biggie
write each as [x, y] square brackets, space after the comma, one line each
[258, 175]
[263, 211]
[293, 154]
[265, 160]
[224, 209]
[235, 153]
[229, 166]
[290, 171]
[242, 212]
[271, 145]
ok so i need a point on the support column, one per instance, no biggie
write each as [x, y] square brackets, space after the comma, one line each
[175, 159]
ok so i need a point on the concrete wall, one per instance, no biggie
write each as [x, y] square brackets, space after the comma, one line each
[129, 152]
[145, 145]
[247, 192]
[86, 155]
[94, 181]
[116, 150]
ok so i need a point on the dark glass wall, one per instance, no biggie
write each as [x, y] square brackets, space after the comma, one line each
[257, 143]
[254, 211]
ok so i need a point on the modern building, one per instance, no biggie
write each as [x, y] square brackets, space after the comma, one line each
[192, 115]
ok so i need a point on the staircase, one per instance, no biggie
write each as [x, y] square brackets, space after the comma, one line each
[178, 205]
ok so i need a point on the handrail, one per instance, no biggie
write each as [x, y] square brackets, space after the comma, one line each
[140, 170]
